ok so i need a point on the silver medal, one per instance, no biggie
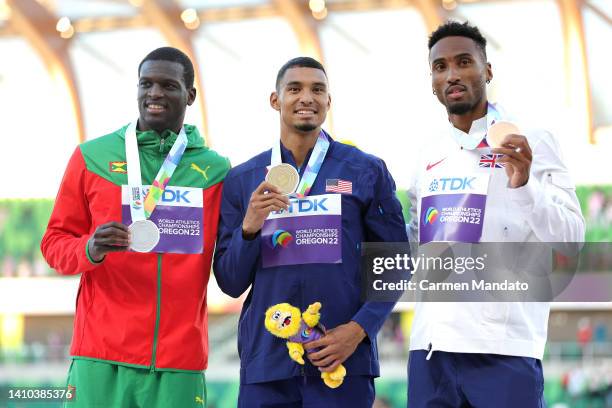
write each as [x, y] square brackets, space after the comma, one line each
[144, 235]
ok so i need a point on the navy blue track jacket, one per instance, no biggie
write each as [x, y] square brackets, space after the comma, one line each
[371, 213]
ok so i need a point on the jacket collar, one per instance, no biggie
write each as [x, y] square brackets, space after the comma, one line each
[152, 140]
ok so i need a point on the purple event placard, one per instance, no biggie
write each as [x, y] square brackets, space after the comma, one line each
[180, 228]
[452, 218]
[302, 240]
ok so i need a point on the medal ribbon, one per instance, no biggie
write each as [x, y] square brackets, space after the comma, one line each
[470, 142]
[313, 166]
[494, 114]
[142, 207]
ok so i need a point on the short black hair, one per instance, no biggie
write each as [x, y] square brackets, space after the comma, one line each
[173, 55]
[456, 29]
[299, 62]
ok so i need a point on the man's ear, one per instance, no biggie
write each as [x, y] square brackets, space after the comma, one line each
[274, 102]
[191, 96]
[489, 72]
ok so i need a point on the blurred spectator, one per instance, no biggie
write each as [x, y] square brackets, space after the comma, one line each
[607, 211]
[577, 383]
[588, 386]
[585, 331]
[596, 204]
[600, 333]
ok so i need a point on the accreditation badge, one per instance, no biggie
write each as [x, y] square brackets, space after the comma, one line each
[452, 207]
[310, 231]
[177, 216]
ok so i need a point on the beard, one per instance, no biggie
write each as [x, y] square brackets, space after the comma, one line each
[463, 107]
[460, 108]
[306, 127]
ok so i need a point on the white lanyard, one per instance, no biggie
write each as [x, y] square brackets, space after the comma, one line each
[136, 195]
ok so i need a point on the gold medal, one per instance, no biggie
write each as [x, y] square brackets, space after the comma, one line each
[283, 176]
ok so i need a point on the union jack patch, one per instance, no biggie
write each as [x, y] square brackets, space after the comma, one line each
[489, 161]
[117, 167]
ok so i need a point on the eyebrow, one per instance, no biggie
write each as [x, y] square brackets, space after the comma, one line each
[165, 80]
[463, 54]
[298, 83]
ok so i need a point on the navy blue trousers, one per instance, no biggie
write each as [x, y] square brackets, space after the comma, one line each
[470, 380]
[308, 392]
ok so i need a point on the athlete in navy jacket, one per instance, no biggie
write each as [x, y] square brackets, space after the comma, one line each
[369, 212]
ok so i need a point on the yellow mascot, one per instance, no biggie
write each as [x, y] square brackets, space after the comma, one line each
[286, 322]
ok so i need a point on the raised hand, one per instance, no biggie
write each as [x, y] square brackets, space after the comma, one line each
[265, 199]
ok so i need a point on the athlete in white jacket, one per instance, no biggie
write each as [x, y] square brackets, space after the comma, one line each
[485, 354]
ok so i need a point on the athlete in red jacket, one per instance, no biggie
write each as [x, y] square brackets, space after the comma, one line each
[140, 331]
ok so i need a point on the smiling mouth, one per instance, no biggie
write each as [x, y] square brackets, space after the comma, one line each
[286, 322]
[305, 112]
[155, 108]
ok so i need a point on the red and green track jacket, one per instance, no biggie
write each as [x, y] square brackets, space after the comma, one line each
[140, 310]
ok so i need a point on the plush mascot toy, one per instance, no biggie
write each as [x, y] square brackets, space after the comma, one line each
[286, 322]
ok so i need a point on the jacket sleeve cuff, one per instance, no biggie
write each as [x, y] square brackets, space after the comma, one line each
[369, 321]
[525, 196]
[89, 258]
[248, 248]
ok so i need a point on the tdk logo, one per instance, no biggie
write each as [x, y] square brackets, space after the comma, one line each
[452, 184]
[302, 206]
[174, 196]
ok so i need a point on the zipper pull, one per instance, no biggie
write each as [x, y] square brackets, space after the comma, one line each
[161, 145]
[431, 350]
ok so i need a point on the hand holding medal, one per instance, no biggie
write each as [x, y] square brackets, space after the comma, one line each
[109, 237]
[265, 199]
[282, 181]
[504, 138]
[498, 131]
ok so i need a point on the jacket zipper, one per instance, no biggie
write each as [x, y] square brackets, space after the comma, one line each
[157, 312]
[302, 304]
[158, 294]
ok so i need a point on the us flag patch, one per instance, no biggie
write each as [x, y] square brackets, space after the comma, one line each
[338, 186]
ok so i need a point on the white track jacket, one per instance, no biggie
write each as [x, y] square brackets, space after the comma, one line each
[546, 209]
